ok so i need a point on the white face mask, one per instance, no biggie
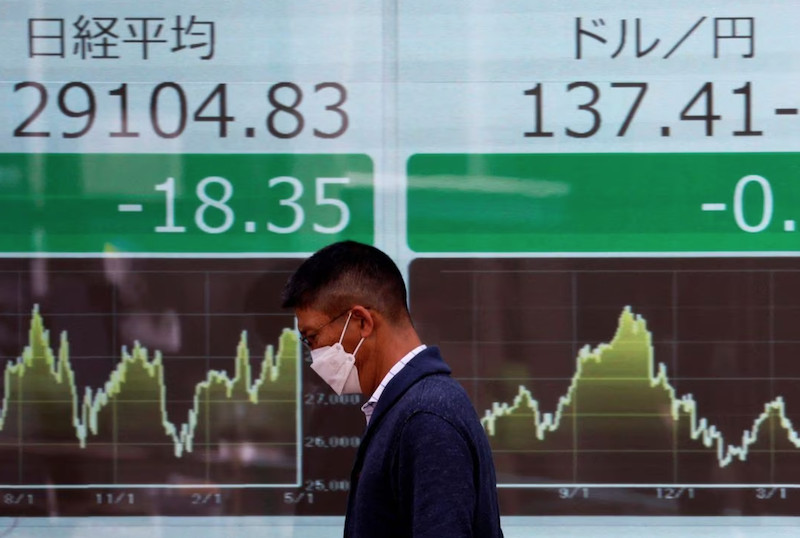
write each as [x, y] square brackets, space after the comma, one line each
[336, 366]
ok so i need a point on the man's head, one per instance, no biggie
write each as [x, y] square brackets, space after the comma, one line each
[355, 292]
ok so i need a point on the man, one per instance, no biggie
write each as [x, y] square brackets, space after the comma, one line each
[424, 467]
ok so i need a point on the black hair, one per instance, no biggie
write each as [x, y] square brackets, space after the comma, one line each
[345, 274]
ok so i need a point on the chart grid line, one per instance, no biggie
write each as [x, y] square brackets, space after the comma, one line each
[36, 440]
[675, 337]
[716, 331]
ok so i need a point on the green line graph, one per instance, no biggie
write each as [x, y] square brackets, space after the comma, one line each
[131, 407]
[619, 386]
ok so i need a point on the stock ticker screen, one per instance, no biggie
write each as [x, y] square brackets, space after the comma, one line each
[594, 206]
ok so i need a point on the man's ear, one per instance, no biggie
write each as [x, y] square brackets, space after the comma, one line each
[365, 320]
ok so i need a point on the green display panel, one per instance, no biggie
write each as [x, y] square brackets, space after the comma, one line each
[604, 202]
[184, 202]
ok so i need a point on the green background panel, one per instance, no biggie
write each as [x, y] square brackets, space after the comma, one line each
[598, 202]
[69, 202]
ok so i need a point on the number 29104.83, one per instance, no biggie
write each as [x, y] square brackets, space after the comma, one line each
[169, 110]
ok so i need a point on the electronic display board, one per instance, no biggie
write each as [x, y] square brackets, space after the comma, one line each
[593, 205]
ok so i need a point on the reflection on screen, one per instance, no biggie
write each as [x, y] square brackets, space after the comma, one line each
[593, 208]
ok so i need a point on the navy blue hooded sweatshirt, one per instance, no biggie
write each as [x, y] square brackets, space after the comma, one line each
[424, 467]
